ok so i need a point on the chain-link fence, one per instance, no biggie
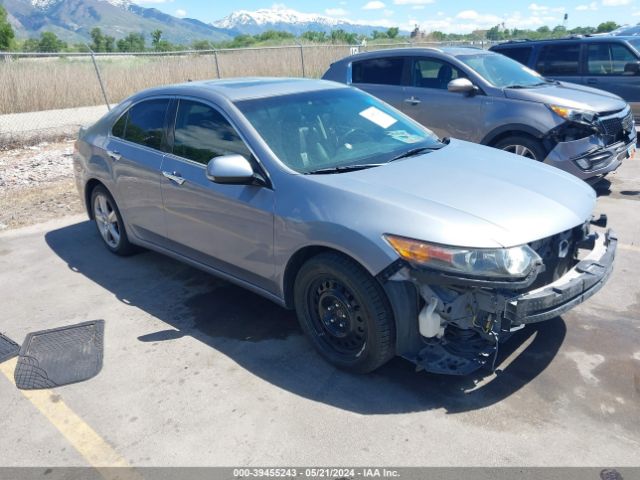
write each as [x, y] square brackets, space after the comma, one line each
[47, 95]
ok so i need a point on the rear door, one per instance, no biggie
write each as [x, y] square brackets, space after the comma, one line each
[227, 227]
[428, 101]
[560, 61]
[384, 78]
[605, 64]
[136, 147]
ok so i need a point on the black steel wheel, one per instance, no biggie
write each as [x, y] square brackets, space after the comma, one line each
[345, 313]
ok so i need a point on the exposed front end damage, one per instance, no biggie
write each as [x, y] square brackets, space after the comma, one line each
[592, 151]
[456, 324]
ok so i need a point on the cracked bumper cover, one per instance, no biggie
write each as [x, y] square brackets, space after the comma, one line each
[581, 282]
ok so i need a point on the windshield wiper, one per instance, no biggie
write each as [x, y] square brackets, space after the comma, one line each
[343, 168]
[527, 86]
[414, 151]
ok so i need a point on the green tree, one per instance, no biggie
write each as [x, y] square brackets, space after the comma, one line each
[340, 36]
[6, 31]
[49, 42]
[156, 37]
[559, 30]
[605, 27]
[315, 37]
[201, 45]
[378, 35]
[109, 43]
[393, 32]
[544, 30]
[495, 33]
[97, 44]
[134, 42]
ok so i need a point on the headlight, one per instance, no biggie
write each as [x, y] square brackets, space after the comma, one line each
[514, 262]
[574, 115]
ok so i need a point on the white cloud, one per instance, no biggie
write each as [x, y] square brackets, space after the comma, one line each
[418, 7]
[615, 3]
[591, 6]
[413, 2]
[336, 12]
[180, 13]
[484, 19]
[374, 5]
[153, 1]
[535, 7]
[466, 21]
[388, 13]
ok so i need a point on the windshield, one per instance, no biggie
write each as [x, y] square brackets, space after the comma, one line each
[501, 71]
[334, 128]
[635, 43]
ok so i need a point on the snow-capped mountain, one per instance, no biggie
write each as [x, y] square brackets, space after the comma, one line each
[72, 20]
[288, 20]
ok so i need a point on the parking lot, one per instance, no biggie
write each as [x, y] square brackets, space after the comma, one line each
[199, 372]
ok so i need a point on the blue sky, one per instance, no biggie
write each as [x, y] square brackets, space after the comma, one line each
[461, 16]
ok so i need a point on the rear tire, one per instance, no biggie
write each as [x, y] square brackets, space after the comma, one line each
[109, 222]
[345, 313]
[521, 145]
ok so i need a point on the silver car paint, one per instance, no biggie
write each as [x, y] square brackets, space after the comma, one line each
[463, 194]
[480, 118]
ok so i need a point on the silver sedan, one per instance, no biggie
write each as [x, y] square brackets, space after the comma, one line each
[386, 240]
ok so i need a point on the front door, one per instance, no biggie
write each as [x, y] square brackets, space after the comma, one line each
[227, 227]
[448, 114]
[605, 70]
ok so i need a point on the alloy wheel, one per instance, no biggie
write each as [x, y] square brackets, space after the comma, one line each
[520, 150]
[106, 220]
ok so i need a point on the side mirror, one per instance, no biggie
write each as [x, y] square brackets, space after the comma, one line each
[234, 169]
[632, 68]
[461, 85]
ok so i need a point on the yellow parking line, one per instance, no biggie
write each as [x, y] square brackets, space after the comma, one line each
[632, 248]
[95, 450]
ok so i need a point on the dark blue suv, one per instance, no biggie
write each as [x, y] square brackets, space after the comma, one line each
[607, 62]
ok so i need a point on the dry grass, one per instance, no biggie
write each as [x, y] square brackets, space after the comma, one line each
[35, 84]
[34, 205]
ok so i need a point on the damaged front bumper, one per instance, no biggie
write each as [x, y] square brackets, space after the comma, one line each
[592, 157]
[578, 284]
[475, 319]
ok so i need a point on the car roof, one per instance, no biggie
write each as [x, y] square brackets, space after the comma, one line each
[409, 51]
[236, 89]
[591, 39]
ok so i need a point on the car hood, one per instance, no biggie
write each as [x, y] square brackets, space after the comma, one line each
[569, 95]
[463, 194]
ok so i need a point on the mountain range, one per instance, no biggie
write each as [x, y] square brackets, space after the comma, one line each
[72, 21]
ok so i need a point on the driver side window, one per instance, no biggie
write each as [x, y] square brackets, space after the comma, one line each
[202, 133]
[432, 73]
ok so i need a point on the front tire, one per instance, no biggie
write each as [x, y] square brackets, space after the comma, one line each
[109, 222]
[523, 146]
[345, 313]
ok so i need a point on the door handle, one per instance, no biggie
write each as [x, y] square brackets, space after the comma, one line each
[174, 176]
[412, 100]
[114, 154]
[592, 81]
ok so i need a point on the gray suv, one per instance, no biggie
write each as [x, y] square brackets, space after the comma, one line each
[608, 62]
[487, 98]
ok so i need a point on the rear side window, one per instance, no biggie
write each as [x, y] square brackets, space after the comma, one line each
[145, 123]
[558, 60]
[202, 133]
[519, 54]
[381, 71]
[608, 58]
